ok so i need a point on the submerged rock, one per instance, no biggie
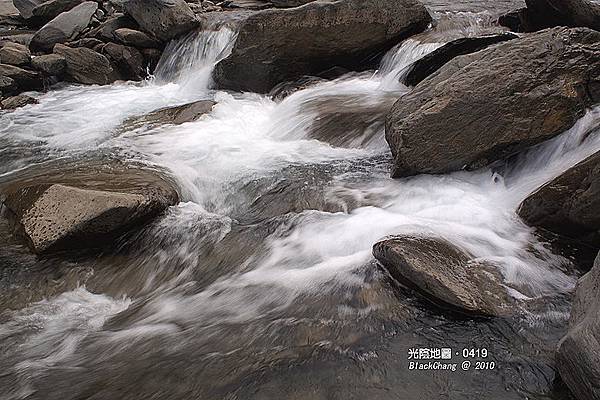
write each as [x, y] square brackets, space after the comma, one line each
[172, 115]
[64, 27]
[279, 45]
[165, 19]
[486, 106]
[57, 217]
[445, 274]
[433, 61]
[578, 358]
[86, 66]
[570, 204]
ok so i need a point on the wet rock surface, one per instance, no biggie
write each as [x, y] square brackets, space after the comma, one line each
[57, 217]
[445, 274]
[570, 204]
[172, 115]
[435, 60]
[507, 91]
[348, 33]
[578, 357]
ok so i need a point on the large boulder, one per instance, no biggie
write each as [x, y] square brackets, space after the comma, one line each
[56, 217]
[570, 204]
[165, 19]
[574, 13]
[279, 45]
[128, 60]
[445, 274]
[63, 28]
[435, 60]
[86, 66]
[135, 38]
[50, 64]
[578, 358]
[486, 106]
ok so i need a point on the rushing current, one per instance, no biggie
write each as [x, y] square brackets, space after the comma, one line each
[260, 284]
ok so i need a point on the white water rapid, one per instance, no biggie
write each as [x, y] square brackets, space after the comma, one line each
[276, 207]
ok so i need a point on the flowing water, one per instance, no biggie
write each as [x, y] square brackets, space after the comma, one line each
[260, 284]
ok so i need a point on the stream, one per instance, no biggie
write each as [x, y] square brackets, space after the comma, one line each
[260, 284]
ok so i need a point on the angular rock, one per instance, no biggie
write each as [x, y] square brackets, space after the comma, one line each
[128, 60]
[486, 106]
[26, 80]
[351, 34]
[435, 60]
[26, 7]
[55, 217]
[14, 102]
[445, 274]
[172, 115]
[570, 204]
[51, 64]
[63, 28]
[15, 54]
[86, 66]
[578, 357]
[53, 8]
[135, 38]
[106, 30]
[7, 85]
[574, 13]
[165, 19]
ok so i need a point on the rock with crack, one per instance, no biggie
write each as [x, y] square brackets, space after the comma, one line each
[578, 358]
[59, 217]
[352, 34]
[570, 204]
[165, 19]
[487, 106]
[445, 274]
[64, 27]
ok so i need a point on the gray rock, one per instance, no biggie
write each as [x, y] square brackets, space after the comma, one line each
[26, 7]
[165, 19]
[55, 217]
[51, 64]
[578, 357]
[128, 60]
[53, 8]
[106, 30]
[486, 106]
[268, 50]
[172, 115]
[15, 54]
[86, 66]
[67, 26]
[135, 38]
[7, 85]
[435, 60]
[26, 80]
[445, 274]
[574, 13]
[14, 102]
[570, 204]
